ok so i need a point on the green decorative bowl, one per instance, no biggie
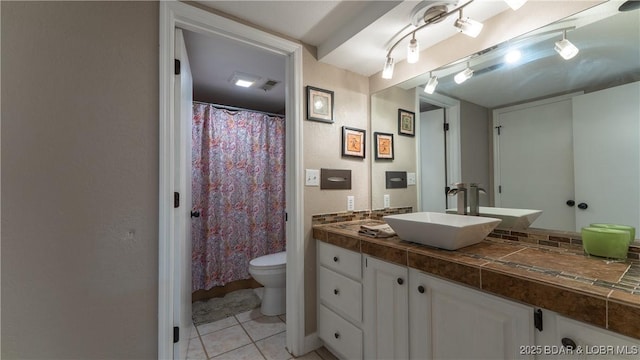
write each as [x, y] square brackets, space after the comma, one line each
[630, 229]
[605, 242]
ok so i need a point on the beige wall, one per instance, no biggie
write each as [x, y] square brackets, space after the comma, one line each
[79, 172]
[384, 118]
[322, 149]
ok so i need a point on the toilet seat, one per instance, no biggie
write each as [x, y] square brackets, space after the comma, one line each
[271, 261]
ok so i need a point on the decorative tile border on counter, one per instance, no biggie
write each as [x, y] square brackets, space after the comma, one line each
[337, 217]
[379, 213]
[560, 239]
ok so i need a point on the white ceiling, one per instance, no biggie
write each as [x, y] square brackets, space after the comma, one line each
[352, 35]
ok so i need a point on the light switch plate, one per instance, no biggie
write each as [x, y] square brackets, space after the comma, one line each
[312, 177]
[411, 178]
[387, 201]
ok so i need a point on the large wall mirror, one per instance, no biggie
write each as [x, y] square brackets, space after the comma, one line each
[535, 131]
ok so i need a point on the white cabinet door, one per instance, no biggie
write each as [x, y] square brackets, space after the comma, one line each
[590, 342]
[450, 321]
[385, 307]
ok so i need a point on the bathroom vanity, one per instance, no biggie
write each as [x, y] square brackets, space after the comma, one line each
[499, 299]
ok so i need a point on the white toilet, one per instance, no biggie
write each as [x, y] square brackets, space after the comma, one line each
[270, 271]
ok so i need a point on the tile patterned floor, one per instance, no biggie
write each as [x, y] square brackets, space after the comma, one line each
[248, 335]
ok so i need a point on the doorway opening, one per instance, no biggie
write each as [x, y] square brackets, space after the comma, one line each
[173, 218]
[439, 149]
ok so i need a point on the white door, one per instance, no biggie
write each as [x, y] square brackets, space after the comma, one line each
[534, 161]
[606, 129]
[450, 321]
[182, 272]
[432, 158]
[386, 310]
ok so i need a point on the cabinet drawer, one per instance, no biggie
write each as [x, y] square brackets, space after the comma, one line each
[341, 293]
[339, 334]
[343, 261]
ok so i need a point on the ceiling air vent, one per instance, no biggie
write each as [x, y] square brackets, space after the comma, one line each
[269, 84]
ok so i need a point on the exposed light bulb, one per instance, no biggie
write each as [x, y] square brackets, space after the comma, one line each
[413, 51]
[566, 49]
[463, 75]
[513, 56]
[468, 26]
[515, 4]
[387, 71]
[431, 84]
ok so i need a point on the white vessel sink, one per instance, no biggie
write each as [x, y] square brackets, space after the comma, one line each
[445, 231]
[517, 219]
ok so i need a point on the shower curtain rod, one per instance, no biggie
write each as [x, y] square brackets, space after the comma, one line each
[233, 108]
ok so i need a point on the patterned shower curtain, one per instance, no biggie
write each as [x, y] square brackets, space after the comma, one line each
[238, 187]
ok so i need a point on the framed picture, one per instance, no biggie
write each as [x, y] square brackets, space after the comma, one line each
[383, 145]
[319, 104]
[406, 123]
[353, 143]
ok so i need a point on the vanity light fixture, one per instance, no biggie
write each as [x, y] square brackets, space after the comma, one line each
[468, 26]
[565, 48]
[431, 84]
[463, 75]
[387, 72]
[515, 4]
[413, 50]
[431, 15]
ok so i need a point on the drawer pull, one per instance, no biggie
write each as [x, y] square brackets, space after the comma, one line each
[335, 259]
[336, 291]
[421, 289]
[400, 281]
[337, 335]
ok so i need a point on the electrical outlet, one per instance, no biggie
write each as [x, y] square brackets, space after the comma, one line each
[350, 203]
[312, 177]
[387, 201]
[411, 178]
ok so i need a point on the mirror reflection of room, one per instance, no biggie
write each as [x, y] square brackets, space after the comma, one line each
[532, 129]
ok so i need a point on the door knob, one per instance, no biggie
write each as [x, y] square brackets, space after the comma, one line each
[400, 281]
[583, 206]
[195, 214]
[570, 203]
[421, 289]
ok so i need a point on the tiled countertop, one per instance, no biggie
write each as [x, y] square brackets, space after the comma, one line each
[596, 291]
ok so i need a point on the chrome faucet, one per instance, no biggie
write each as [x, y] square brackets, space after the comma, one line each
[462, 198]
[474, 199]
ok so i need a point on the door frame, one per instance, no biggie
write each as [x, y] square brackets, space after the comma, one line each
[451, 108]
[178, 14]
